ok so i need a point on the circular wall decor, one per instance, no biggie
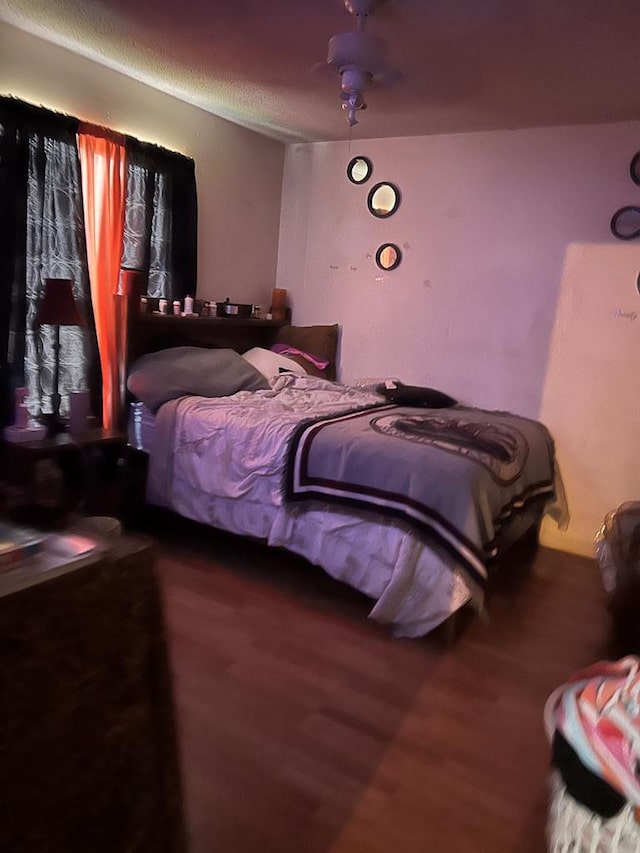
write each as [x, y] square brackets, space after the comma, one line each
[383, 200]
[625, 223]
[634, 169]
[359, 170]
[388, 256]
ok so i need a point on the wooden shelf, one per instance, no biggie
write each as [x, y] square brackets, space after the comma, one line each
[152, 332]
[213, 322]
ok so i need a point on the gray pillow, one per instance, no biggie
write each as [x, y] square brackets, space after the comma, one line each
[180, 371]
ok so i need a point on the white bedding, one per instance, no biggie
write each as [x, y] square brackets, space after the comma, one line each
[221, 461]
[140, 428]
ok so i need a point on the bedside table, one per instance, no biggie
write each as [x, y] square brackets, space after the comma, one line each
[57, 473]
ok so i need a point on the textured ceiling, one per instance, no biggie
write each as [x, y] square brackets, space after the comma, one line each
[466, 64]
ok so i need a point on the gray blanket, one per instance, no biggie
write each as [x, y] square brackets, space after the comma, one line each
[457, 474]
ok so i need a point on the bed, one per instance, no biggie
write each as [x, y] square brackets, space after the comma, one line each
[401, 493]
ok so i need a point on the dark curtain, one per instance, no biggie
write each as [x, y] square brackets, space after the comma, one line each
[13, 211]
[43, 238]
[161, 219]
[56, 248]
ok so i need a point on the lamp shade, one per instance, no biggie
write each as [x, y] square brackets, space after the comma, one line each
[58, 307]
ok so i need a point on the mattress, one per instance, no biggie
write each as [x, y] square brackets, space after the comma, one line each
[222, 462]
[223, 466]
[376, 556]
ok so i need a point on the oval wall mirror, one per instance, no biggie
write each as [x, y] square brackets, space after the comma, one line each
[388, 256]
[634, 169]
[383, 200]
[625, 223]
[359, 170]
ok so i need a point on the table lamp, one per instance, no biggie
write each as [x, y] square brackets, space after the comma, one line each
[57, 308]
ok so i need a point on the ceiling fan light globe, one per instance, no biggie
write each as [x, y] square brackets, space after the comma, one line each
[354, 79]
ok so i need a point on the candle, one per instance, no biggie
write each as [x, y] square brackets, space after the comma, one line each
[279, 303]
[79, 404]
[132, 282]
[21, 412]
[22, 416]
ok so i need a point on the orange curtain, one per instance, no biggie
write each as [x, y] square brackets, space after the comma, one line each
[103, 163]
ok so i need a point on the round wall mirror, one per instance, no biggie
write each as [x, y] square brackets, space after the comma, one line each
[625, 223]
[359, 170]
[383, 200]
[388, 256]
[634, 169]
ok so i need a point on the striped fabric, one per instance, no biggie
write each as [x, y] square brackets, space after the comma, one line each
[598, 712]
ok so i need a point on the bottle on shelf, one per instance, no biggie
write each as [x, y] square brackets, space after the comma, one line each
[230, 309]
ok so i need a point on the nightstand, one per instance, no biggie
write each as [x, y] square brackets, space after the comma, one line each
[64, 471]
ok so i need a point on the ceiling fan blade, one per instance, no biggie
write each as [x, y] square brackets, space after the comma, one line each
[387, 77]
[323, 71]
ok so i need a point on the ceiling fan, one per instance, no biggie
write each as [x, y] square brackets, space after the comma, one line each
[359, 59]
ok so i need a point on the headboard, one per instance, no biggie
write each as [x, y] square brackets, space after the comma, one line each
[318, 340]
[150, 332]
[153, 332]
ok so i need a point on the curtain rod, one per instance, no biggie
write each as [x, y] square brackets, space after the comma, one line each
[23, 109]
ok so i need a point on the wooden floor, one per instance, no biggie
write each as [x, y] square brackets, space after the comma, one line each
[305, 727]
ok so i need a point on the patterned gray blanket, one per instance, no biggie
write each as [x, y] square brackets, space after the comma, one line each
[457, 474]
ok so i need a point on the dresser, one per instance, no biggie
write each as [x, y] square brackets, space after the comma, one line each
[88, 755]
